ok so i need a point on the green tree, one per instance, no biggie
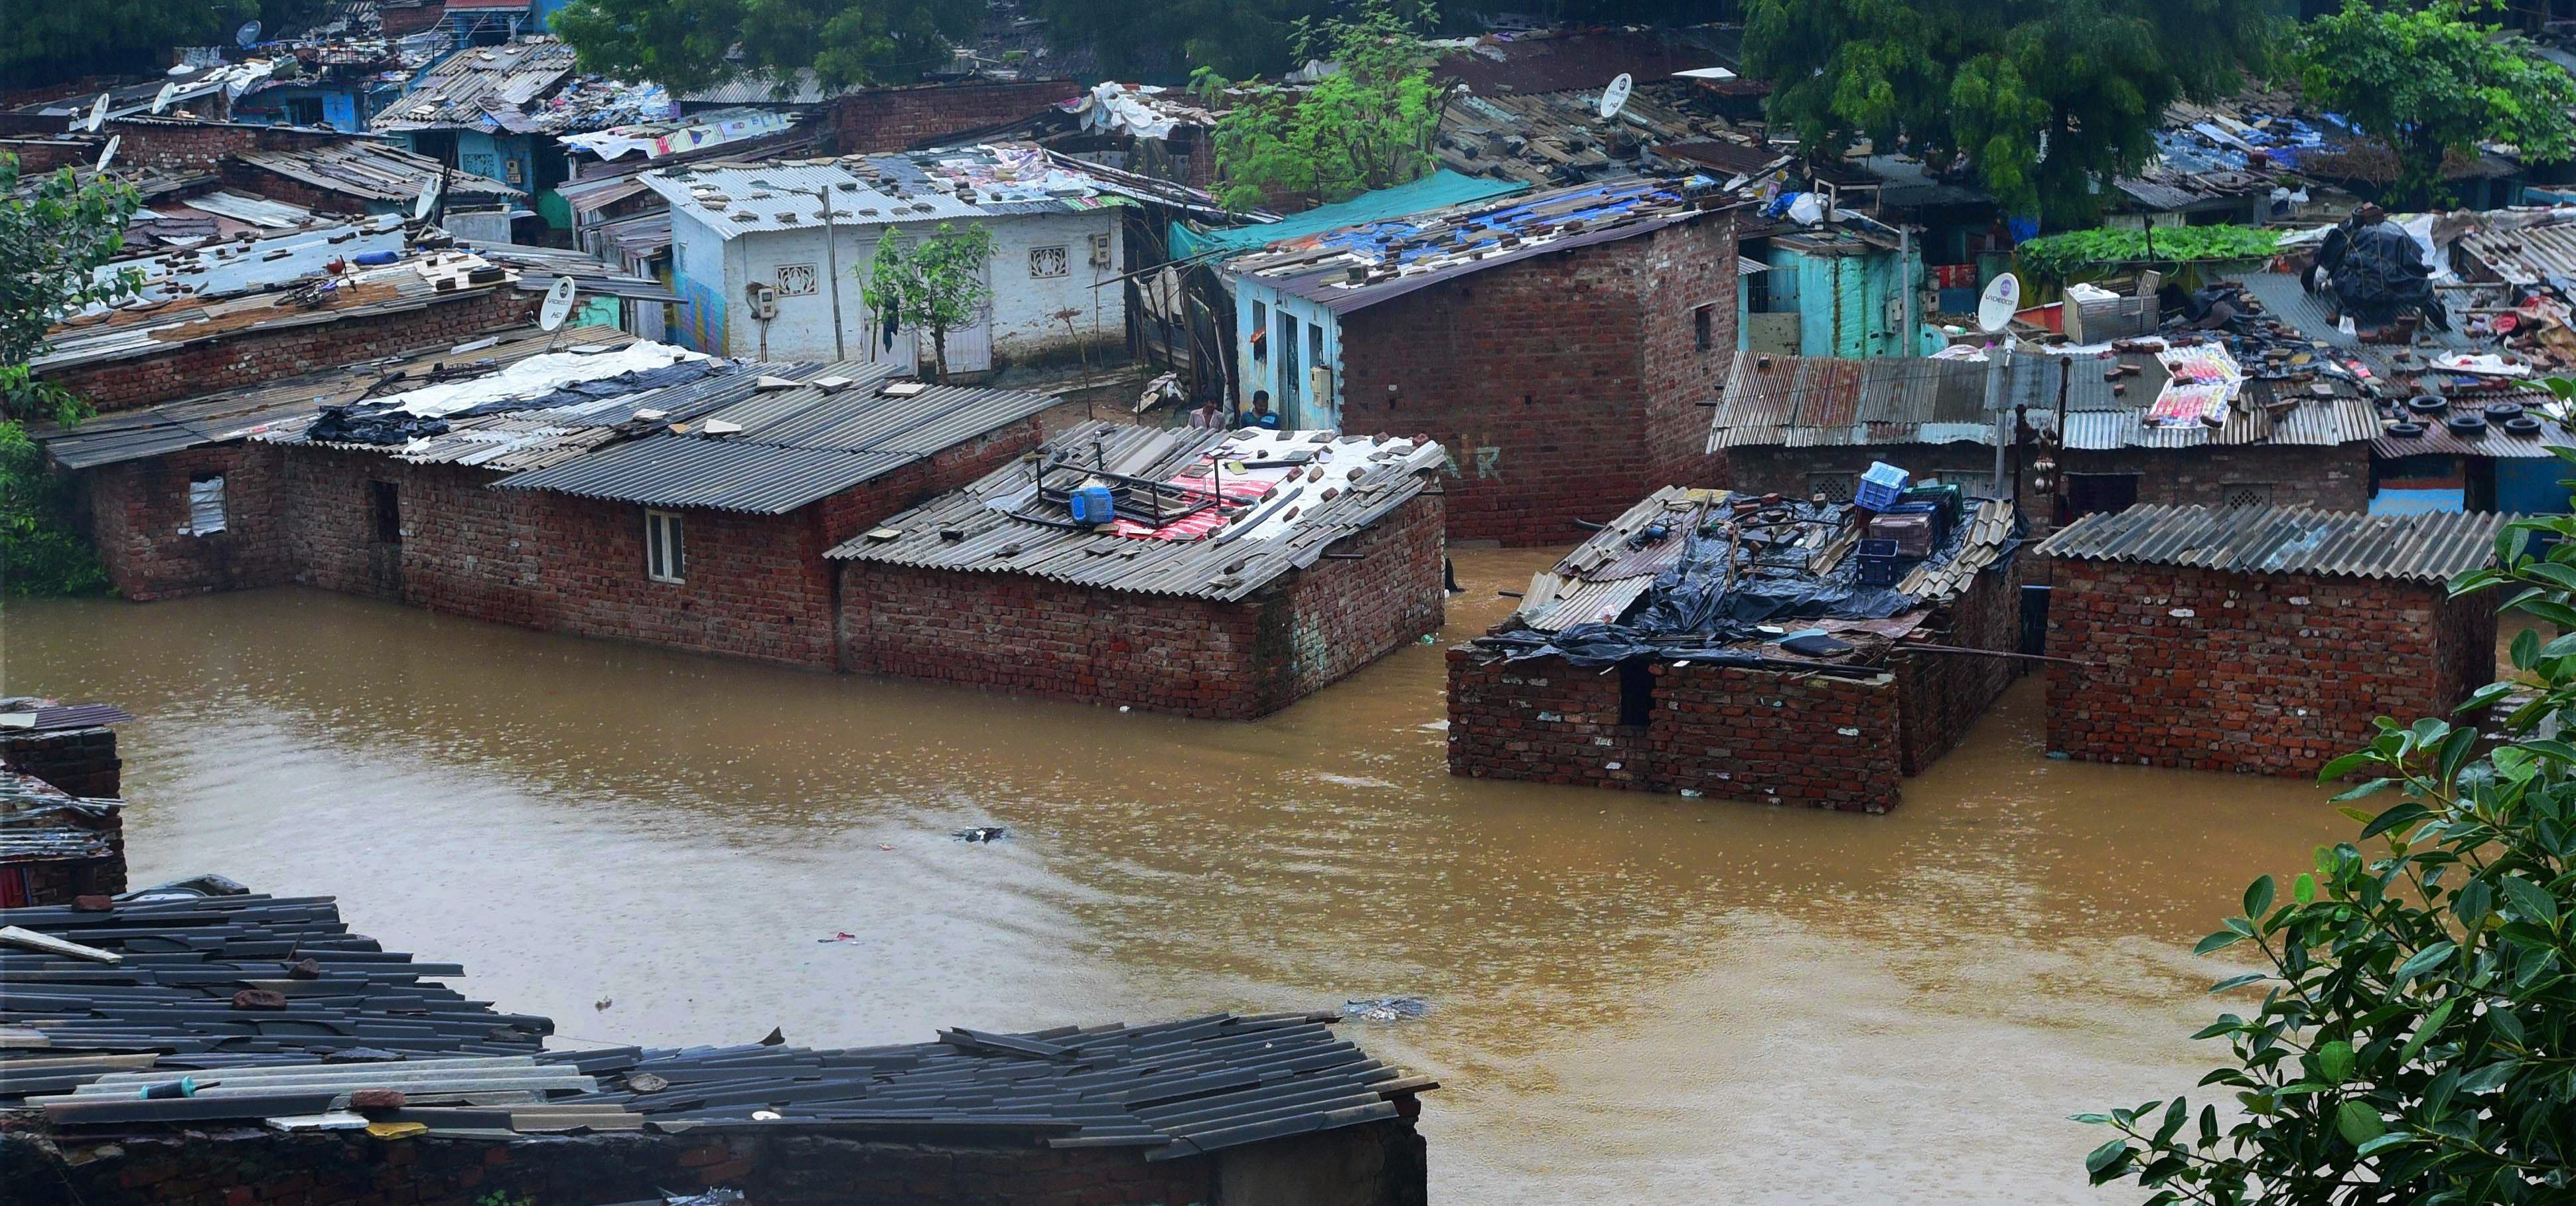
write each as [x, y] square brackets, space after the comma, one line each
[55, 233]
[2047, 100]
[2416, 1039]
[2432, 82]
[685, 45]
[938, 284]
[1367, 125]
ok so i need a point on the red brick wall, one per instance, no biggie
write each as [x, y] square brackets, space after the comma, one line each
[1562, 387]
[1375, 1164]
[45, 154]
[893, 119]
[252, 356]
[48, 766]
[259, 181]
[194, 146]
[2334, 479]
[400, 22]
[1719, 731]
[80, 762]
[137, 514]
[1195, 657]
[2268, 674]
[1942, 694]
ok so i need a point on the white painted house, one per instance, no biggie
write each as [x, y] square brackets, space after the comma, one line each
[754, 255]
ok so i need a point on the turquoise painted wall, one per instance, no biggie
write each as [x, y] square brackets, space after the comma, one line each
[1319, 341]
[1842, 302]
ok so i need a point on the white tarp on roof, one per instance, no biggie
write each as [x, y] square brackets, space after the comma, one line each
[537, 376]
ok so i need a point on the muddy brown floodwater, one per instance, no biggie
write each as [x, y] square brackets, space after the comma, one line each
[1637, 998]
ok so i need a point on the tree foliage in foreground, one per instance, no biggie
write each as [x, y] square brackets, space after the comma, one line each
[2416, 1040]
[2046, 99]
[55, 232]
[938, 284]
[2433, 82]
[686, 45]
[1367, 125]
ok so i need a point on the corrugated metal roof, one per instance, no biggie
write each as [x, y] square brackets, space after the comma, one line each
[1398, 256]
[2283, 298]
[1814, 401]
[129, 333]
[1221, 566]
[796, 446]
[481, 87]
[2539, 254]
[1569, 61]
[539, 266]
[237, 414]
[371, 170]
[760, 88]
[2431, 547]
[926, 186]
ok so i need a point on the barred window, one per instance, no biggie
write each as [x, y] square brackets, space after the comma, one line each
[1833, 487]
[1050, 261]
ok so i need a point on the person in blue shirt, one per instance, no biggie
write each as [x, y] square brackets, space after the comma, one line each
[1260, 415]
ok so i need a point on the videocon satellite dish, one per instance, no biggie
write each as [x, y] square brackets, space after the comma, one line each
[428, 198]
[558, 305]
[1995, 310]
[247, 35]
[97, 114]
[1615, 97]
[108, 153]
[161, 99]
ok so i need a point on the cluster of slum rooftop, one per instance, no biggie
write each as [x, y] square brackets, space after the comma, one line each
[344, 259]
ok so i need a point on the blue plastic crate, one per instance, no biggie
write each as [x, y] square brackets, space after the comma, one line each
[1882, 487]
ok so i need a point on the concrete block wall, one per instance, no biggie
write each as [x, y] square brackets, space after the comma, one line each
[254, 356]
[2272, 674]
[1565, 386]
[894, 119]
[1167, 653]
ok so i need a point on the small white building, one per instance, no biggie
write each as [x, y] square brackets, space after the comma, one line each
[753, 254]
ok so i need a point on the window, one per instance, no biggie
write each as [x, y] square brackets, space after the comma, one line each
[387, 497]
[2087, 493]
[2245, 494]
[205, 505]
[1703, 327]
[1637, 691]
[664, 560]
[1833, 487]
[1050, 261]
[1260, 327]
[797, 280]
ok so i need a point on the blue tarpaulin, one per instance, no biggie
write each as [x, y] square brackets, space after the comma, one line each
[1438, 190]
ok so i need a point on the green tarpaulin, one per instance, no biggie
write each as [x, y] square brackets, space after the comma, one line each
[1438, 190]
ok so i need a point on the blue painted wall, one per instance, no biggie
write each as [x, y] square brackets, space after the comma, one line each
[2530, 486]
[1288, 316]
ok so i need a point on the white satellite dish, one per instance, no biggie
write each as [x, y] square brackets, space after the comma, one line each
[161, 99]
[109, 152]
[558, 305]
[97, 114]
[1615, 97]
[1995, 310]
[428, 199]
[247, 35]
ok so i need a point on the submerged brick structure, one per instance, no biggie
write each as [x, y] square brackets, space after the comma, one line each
[1745, 719]
[1195, 626]
[62, 832]
[1563, 345]
[2259, 640]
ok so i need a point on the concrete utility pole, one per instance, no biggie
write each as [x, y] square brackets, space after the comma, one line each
[832, 268]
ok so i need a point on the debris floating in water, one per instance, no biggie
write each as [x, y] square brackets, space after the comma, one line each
[982, 833]
[1386, 1009]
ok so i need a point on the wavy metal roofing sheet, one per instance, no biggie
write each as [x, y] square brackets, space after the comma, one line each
[724, 475]
[2431, 547]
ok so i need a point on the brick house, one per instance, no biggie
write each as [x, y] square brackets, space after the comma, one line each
[1707, 701]
[62, 828]
[2263, 640]
[867, 121]
[1325, 556]
[1808, 426]
[649, 494]
[1561, 343]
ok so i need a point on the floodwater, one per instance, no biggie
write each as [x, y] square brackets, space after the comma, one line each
[1636, 998]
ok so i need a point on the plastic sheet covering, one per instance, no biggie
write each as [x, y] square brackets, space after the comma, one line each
[206, 506]
[1698, 603]
[371, 423]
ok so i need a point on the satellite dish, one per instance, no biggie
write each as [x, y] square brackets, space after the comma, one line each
[97, 114]
[161, 99]
[1615, 97]
[247, 35]
[1995, 310]
[428, 199]
[108, 153]
[558, 305]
